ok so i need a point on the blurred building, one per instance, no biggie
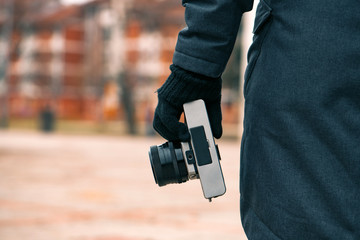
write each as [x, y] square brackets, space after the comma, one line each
[95, 61]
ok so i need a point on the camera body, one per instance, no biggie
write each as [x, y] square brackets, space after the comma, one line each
[174, 162]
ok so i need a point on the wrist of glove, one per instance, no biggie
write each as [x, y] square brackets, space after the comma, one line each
[181, 87]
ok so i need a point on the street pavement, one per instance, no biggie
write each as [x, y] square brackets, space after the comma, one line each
[65, 187]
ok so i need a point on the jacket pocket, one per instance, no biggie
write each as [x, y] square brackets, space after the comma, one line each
[262, 22]
[263, 13]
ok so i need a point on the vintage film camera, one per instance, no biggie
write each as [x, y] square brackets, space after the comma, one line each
[174, 162]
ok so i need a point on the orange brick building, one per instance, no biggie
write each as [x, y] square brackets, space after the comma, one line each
[94, 61]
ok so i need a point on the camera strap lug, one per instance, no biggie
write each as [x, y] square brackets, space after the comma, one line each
[190, 157]
[217, 151]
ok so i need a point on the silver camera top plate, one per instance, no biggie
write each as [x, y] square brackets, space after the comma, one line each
[203, 145]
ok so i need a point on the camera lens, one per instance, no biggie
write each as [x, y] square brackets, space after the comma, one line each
[167, 163]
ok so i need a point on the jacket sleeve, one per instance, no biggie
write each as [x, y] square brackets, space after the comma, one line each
[205, 45]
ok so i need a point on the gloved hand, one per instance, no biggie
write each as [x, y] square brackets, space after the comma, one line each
[182, 87]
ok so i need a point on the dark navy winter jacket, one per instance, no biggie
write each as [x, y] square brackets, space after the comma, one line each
[300, 152]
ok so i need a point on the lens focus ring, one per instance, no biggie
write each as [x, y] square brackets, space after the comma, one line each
[167, 164]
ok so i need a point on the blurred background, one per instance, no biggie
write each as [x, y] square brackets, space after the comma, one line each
[77, 96]
[93, 66]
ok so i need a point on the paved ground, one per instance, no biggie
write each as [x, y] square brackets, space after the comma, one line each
[101, 188]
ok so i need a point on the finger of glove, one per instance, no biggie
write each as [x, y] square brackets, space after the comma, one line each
[166, 123]
[215, 117]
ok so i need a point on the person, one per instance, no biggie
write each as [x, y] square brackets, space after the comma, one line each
[300, 154]
[47, 119]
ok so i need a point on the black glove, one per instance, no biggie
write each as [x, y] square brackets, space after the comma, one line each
[182, 87]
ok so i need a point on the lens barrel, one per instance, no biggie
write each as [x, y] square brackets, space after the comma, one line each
[168, 164]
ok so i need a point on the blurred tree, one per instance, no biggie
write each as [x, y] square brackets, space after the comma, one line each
[14, 17]
[5, 41]
[136, 17]
[231, 75]
[124, 73]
